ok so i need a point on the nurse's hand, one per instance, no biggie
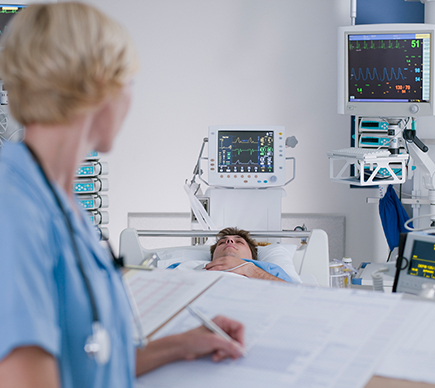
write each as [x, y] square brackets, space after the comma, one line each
[192, 344]
[201, 341]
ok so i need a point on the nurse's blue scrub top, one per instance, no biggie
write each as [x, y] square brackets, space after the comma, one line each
[43, 300]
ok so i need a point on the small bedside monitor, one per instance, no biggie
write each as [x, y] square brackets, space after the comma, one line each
[246, 156]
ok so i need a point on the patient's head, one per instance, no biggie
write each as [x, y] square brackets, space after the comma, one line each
[234, 242]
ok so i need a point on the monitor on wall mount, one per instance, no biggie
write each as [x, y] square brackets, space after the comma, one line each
[386, 70]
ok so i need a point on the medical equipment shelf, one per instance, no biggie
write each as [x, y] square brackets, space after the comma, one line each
[370, 168]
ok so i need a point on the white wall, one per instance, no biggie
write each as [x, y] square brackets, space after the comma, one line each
[207, 62]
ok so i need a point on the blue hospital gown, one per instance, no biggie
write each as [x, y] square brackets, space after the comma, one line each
[43, 299]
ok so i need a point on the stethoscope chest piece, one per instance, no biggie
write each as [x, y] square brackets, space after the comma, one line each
[98, 344]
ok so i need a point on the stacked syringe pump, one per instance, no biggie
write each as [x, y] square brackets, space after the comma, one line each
[388, 151]
[90, 184]
[381, 154]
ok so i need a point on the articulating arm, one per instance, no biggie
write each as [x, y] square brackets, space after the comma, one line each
[418, 151]
[422, 161]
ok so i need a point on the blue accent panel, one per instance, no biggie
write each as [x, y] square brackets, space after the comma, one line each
[85, 171]
[87, 203]
[357, 281]
[363, 265]
[389, 11]
[83, 187]
[92, 154]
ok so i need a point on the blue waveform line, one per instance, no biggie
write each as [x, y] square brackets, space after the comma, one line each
[374, 74]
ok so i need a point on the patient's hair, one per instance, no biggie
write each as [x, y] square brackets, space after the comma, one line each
[64, 59]
[236, 232]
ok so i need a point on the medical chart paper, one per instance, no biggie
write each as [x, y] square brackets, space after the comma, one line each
[412, 356]
[295, 337]
[156, 296]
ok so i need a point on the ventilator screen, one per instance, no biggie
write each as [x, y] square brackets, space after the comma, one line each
[423, 259]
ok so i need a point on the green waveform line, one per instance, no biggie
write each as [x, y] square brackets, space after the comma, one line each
[239, 151]
[373, 45]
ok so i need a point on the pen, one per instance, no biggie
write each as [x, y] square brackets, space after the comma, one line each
[210, 325]
[138, 267]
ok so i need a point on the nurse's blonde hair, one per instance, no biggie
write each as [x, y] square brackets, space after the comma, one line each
[64, 59]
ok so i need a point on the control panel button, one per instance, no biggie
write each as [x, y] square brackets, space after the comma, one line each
[414, 108]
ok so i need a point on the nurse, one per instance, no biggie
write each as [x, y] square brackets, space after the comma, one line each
[64, 316]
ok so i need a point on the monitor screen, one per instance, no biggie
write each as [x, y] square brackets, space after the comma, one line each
[245, 151]
[7, 12]
[386, 70]
[416, 263]
[422, 259]
[246, 156]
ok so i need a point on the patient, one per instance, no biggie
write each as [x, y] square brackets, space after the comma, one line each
[236, 252]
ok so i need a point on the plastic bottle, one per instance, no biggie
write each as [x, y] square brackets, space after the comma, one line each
[347, 272]
[336, 275]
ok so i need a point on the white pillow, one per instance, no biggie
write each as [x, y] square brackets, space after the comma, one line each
[279, 254]
[169, 256]
[282, 255]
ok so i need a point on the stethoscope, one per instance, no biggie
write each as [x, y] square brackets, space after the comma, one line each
[98, 344]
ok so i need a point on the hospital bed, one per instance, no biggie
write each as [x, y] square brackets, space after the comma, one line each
[309, 259]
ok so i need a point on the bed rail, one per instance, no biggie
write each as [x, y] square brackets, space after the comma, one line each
[212, 233]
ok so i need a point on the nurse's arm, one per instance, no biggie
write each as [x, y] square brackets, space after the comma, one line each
[192, 344]
[29, 367]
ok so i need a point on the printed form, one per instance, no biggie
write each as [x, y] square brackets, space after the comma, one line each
[157, 295]
[295, 336]
[411, 357]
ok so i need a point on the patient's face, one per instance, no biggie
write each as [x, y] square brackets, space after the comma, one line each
[235, 246]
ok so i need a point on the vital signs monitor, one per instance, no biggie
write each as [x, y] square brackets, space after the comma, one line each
[416, 264]
[386, 70]
[7, 11]
[246, 156]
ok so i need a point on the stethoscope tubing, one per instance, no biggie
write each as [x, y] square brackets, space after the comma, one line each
[68, 223]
